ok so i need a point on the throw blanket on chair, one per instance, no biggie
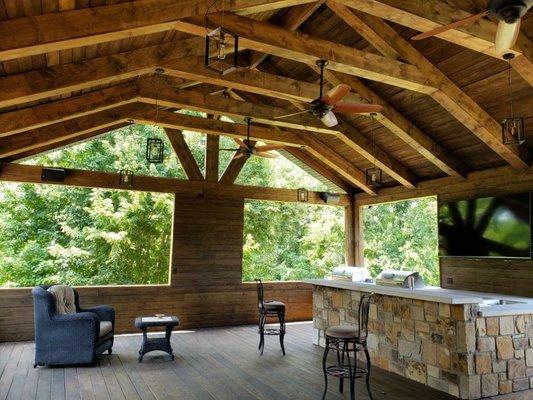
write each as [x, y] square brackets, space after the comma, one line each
[64, 299]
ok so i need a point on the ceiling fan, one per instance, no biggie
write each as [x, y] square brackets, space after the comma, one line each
[325, 105]
[508, 13]
[247, 148]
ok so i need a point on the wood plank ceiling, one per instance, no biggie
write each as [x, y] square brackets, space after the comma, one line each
[65, 77]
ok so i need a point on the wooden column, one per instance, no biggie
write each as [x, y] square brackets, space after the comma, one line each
[211, 158]
[353, 234]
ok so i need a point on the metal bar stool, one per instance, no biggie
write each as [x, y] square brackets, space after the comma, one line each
[346, 340]
[269, 309]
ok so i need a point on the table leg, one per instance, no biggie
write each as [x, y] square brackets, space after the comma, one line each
[168, 332]
[144, 344]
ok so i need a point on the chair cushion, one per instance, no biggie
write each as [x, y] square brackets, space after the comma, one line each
[273, 305]
[64, 299]
[342, 332]
[105, 327]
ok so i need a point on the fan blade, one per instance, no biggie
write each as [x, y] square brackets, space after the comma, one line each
[229, 149]
[329, 119]
[291, 115]
[506, 36]
[454, 25]
[336, 94]
[266, 155]
[241, 143]
[238, 155]
[262, 149]
[350, 108]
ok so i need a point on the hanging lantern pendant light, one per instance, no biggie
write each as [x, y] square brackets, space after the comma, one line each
[374, 175]
[512, 127]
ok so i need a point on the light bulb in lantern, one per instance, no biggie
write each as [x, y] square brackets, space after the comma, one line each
[222, 47]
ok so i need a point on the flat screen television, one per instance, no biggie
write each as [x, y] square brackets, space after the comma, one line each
[486, 227]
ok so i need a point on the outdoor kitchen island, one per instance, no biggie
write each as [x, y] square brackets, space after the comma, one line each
[464, 343]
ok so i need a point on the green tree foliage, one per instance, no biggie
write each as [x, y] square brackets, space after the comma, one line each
[402, 235]
[78, 236]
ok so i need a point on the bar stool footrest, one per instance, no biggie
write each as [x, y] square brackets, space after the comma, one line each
[343, 371]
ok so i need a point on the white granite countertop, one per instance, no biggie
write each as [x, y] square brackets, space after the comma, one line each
[515, 305]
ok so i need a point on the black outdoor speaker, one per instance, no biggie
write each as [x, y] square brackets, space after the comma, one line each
[53, 175]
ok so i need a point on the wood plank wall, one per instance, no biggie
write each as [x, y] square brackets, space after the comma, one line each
[205, 290]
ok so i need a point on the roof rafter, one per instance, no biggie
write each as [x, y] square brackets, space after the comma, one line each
[424, 16]
[292, 20]
[282, 42]
[82, 27]
[320, 168]
[451, 97]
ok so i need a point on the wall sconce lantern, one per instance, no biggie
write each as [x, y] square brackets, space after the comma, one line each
[125, 178]
[154, 150]
[303, 195]
[512, 127]
[218, 44]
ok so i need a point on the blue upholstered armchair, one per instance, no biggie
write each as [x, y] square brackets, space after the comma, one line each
[71, 338]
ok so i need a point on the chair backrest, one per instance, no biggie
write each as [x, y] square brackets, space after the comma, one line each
[260, 293]
[364, 307]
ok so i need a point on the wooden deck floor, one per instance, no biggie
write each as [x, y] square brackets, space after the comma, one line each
[221, 363]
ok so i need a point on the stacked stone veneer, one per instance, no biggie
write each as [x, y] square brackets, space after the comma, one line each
[440, 345]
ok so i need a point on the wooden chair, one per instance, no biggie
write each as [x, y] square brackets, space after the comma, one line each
[269, 309]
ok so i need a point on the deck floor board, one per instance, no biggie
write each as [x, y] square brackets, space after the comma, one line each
[210, 364]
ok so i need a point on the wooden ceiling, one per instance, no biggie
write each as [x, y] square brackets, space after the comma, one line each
[73, 69]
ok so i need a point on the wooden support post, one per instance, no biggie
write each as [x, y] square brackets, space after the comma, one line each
[211, 158]
[353, 233]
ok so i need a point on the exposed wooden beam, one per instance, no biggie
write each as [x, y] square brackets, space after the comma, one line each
[432, 14]
[343, 167]
[183, 152]
[144, 114]
[352, 20]
[211, 158]
[503, 180]
[171, 97]
[233, 169]
[451, 97]
[61, 144]
[61, 79]
[268, 38]
[354, 139]
[393, 120]
[72, 107]
[292, 20]
[44, 33]
[319, 168]
[286, 137]
[92, 179]
[56, 133]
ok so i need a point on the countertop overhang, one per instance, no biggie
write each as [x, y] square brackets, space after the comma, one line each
[439, 295]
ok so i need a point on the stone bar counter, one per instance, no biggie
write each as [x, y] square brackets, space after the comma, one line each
[468, 344]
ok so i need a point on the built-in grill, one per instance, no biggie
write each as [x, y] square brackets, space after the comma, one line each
[405, 279]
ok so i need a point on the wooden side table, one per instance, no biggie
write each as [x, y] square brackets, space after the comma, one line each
[158, 343]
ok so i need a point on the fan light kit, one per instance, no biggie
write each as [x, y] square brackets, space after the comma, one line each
[374, 175]
[330, 198]
[53, 175]
[507, 12]
[155, 147]
[325, 105]
[247, 148]
[512, 127]
[125, 177]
